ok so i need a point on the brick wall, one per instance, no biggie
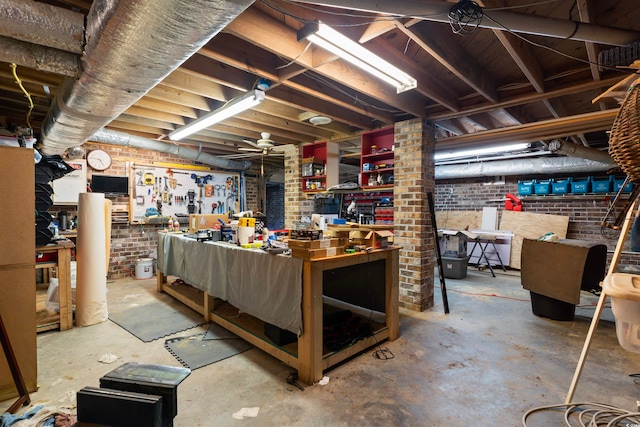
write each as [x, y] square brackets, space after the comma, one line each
[585, 212]
[413, 179]
[131, 242]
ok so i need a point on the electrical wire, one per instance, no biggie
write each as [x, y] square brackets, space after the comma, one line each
[293, 61]
[26, 93]
[479, 294]
[355, 98]
[465, 17]
[599, 414]
[566, 55]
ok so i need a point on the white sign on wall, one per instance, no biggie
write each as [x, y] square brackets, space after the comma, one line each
[66, 190]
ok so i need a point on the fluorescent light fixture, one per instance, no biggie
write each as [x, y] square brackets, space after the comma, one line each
[480, 151]
[230, 109]
[342, 46]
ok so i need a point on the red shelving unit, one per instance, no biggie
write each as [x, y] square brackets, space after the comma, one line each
[314, 164]
[376, 158]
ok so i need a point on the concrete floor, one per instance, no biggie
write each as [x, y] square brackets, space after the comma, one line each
[485, 363]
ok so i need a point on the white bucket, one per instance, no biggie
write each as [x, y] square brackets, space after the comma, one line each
[246, 235]
[144, 268]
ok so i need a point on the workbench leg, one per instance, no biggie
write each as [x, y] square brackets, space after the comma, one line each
[207, 306]
[160, 281]
[310, 342]
[392, 296]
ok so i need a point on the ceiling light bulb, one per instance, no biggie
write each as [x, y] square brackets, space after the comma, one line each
[230, 109]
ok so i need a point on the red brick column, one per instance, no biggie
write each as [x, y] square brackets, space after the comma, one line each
[414, 177]
[296, 203]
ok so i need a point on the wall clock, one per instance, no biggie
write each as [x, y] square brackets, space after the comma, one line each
[98, 160]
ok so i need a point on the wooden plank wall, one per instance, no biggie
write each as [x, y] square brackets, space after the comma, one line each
[530, 226]
[459, 220]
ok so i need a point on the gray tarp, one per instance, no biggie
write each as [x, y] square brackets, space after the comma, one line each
[265, 286]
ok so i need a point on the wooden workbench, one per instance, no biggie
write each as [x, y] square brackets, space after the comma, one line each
[307, 355]
[61, 261]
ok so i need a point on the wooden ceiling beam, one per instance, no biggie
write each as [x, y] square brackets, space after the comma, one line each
[149, 130]
[427, 85]
[275, 108]
[452, 56]
[182, 80]
[223, 53]
[252, 26]
[32, 76]
[165, 106]
[155, 115]
[546, 129]
[10, 85]
[180, 97]
[326, 108]
[284, 124]
[527, 98]
[146, 122]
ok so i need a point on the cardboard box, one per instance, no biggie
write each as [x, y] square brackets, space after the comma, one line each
[377, 239]
[205, 221]
[560, 270]
[305, 234]
[317, 253]
[315, 244]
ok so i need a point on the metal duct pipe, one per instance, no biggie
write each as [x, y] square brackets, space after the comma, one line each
[43, 24]
[107, 136]
[130, 47]
[518, 22]
[576, 150]
[547, 165]
[39, 57]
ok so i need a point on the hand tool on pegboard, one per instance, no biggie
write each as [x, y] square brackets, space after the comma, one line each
[200, 182]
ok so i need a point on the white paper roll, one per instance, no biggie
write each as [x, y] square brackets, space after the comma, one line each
[246, 235]
[91, 282]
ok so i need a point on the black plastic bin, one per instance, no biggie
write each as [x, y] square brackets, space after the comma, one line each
[552, 308]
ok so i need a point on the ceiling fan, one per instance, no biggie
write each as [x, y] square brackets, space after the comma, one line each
[263, 146]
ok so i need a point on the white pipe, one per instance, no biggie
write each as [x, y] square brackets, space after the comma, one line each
[517, 22]
[107, 136]
[553, 165]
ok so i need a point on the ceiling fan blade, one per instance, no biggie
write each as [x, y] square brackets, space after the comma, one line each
[255, 150]
[251, 143]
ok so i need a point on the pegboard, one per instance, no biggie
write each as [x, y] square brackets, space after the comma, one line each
[175, 192]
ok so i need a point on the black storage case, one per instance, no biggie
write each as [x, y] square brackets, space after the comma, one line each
[116, 408]
[278, 335]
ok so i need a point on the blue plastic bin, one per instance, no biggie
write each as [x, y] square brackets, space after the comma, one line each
[525, 188]
[542, 187]
[581, 187]
[617, 183]
[561, 186]
[602, 185]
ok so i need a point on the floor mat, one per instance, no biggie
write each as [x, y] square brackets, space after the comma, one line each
[217, 332]
[195, 352]
[151, 321]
